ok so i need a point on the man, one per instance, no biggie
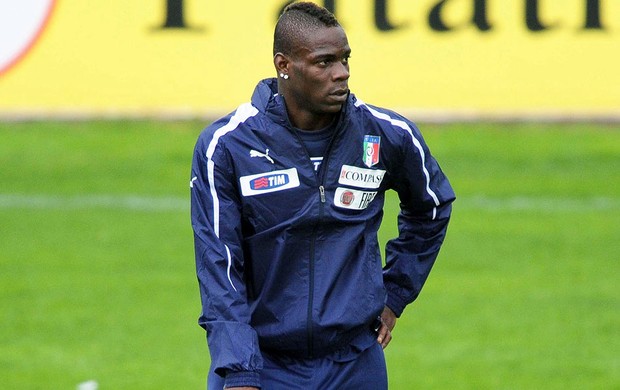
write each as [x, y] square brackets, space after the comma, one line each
[287, 197]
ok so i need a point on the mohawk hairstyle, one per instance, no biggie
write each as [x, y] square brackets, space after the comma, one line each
[295, 22]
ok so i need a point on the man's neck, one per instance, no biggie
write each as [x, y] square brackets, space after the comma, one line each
[309, 122]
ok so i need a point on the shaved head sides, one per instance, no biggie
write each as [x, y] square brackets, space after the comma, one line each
[294, 23]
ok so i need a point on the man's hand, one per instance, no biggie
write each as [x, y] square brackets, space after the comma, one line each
[241, 388]
[388, 321]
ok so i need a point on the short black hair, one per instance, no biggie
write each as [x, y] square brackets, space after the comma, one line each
[295, 22]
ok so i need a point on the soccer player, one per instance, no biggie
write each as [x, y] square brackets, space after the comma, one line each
[287, 197]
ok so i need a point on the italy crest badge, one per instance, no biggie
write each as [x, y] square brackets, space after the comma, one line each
[371, 150]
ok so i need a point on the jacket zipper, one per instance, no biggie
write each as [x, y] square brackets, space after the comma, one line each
[322, 195]
[321, 180]
[311, 275]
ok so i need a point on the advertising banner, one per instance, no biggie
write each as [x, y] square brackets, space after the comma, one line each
[433, 58]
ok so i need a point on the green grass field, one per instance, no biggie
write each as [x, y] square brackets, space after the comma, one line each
[97, 270]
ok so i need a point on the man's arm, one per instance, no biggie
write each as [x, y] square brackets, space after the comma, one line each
[216, 221]
[425, 201]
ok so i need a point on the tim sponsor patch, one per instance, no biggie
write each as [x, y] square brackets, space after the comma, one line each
[273, 181]
[361, 177]
[353, 199]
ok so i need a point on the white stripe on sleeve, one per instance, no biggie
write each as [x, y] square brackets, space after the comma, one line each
[244, 112]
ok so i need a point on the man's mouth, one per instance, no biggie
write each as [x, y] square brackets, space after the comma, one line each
[340, 92]
[340, 95]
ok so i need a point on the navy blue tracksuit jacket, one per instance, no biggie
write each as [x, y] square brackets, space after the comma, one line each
[288, 259]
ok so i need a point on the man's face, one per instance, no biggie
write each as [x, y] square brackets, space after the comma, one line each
[319, 73]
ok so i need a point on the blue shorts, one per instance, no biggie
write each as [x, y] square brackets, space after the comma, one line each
[366, 372]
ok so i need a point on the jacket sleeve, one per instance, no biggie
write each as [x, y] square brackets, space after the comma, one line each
[425, 207]
[216, 222]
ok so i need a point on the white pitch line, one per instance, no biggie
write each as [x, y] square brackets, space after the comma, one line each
[78, 202]
[171, 203]
[541, 204]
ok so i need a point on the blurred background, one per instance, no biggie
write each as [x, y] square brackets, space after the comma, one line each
[101, 103]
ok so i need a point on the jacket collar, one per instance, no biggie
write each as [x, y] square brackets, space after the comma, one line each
[267, 100]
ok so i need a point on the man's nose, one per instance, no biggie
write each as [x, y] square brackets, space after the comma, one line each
[342, 71]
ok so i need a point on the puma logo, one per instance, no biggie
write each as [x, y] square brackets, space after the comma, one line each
[256, 153]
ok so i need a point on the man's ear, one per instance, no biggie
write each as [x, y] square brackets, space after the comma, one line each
[281, 62]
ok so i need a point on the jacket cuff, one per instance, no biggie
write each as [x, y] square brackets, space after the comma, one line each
[396, 304]
[241, 379]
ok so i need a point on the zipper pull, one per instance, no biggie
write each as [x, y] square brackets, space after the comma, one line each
[322, 192]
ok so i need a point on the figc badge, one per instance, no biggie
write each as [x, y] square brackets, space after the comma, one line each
[371, 150]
